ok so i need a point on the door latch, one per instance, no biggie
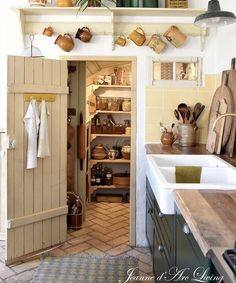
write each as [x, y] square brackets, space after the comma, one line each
[11, 144]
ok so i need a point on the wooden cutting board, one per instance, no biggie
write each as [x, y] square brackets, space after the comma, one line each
[231, 74]
[222, 92]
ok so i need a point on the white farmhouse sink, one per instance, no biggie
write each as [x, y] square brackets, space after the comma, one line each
[160, 170]
[169, 160]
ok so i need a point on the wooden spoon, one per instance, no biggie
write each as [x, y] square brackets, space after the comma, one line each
[183, 109]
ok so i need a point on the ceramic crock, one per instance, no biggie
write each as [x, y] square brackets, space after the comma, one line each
[65, 42]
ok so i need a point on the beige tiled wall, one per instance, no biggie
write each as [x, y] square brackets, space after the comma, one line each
[161, 102]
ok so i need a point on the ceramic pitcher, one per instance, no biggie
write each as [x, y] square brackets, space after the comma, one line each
[84, 34]
[65, 42]
[138, 36]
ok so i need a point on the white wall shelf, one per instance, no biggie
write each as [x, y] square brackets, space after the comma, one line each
[113, 21]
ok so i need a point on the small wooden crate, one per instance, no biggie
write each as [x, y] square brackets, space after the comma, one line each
[176, 3]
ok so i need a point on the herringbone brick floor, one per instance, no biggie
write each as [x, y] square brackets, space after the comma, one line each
[105, 232]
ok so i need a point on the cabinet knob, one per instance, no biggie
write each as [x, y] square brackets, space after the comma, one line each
[186, 229]
[150, 210]
[160, 214]
[161, 249]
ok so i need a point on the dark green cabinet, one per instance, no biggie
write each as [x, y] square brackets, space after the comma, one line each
[188, 254]
[172, 243]
[160, 235]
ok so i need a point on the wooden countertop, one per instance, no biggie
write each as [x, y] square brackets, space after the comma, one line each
[176, 149]
[211, 218]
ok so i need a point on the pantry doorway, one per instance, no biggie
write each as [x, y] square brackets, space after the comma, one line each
[96, 95]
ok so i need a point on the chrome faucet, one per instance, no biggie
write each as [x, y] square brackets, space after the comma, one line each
[222, 116]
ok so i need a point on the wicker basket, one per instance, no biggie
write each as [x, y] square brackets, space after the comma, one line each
[176, 3]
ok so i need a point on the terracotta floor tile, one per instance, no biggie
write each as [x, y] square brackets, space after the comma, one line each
[81, 232]
[119, 225]
[116, 208]
[102, 216]
[99, 245]
[118, 213]
[80, 239]
[90, 217]
[117, 220]
[99, 236]
[117, 233]
[103, 211]
[87, 223]
[118, 241]
[118, 250]
[78, 248]
[100, 229]
[101, 222]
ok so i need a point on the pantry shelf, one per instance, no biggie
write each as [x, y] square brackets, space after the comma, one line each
[108, 187]
[115, 161]
[111, 112]
[94, 136]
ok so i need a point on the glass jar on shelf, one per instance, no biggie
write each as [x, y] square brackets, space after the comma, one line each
[126, 105]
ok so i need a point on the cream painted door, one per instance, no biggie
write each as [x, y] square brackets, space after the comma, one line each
[36, 198]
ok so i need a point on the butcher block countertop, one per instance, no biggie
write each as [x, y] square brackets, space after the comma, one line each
[176, 149]
[211, 216]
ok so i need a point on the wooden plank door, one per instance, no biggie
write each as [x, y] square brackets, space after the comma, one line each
[36, 198]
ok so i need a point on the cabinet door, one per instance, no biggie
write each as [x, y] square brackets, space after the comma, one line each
[161, 264]
[188, 253]
[149, 223]
[35, 198]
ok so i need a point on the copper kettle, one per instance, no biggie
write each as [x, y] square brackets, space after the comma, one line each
[84, 34]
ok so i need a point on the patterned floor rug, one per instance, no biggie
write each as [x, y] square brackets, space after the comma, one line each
[87, 269]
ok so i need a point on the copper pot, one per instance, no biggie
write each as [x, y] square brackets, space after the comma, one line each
[138, 36]
[48, 31]
[64, 3]
[175, 36]
[84, 34]
[65, 42]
